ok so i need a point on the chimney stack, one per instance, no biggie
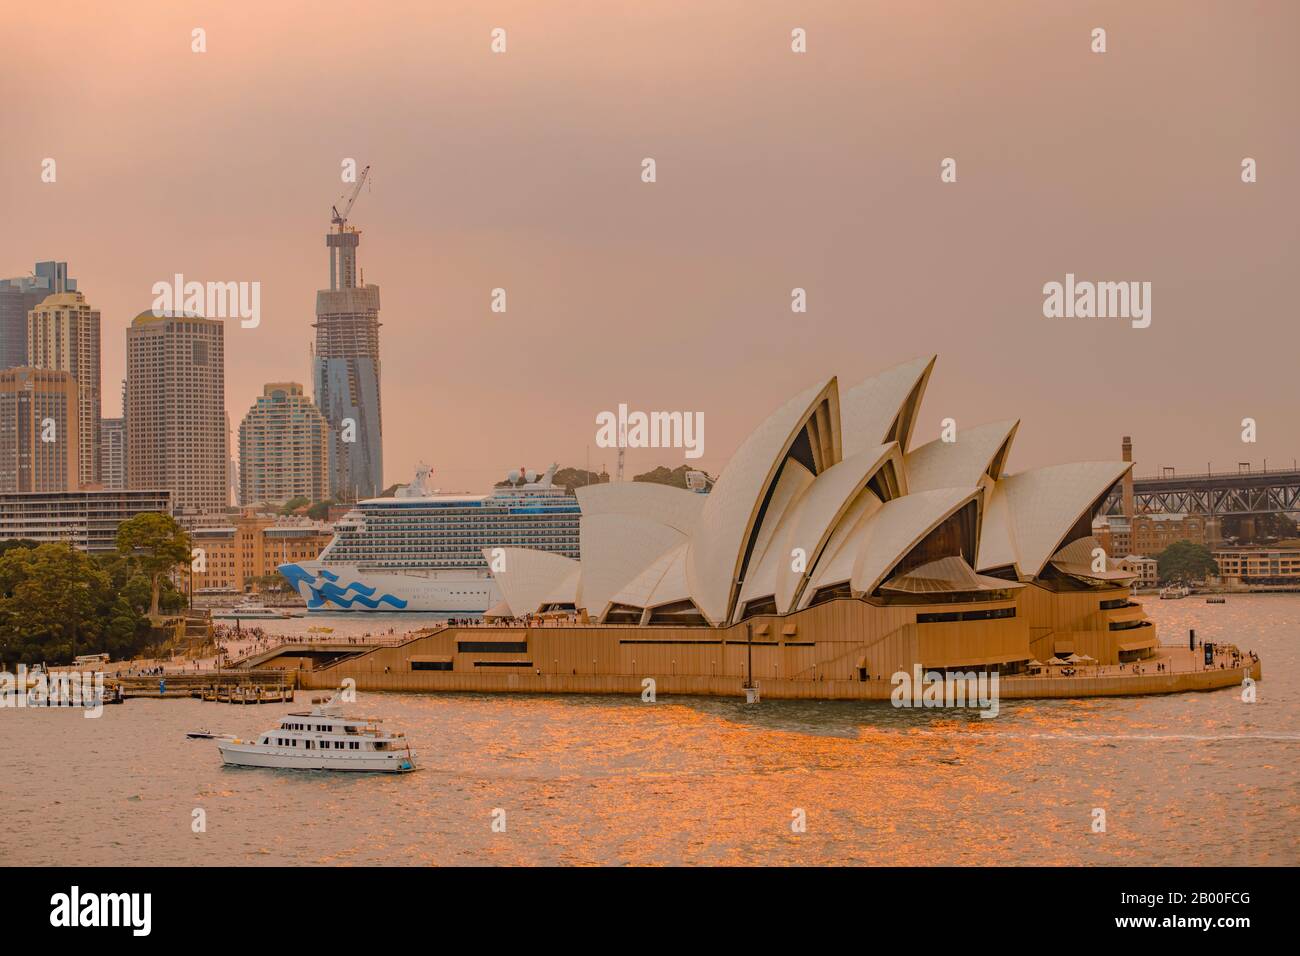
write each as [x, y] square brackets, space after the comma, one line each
[1128, 479]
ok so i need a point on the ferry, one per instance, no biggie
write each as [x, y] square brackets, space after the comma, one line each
[422, 550]
[251, 611]
[1172, 593]
[323, 739]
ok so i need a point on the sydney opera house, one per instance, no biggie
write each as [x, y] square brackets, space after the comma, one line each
[829, 555]
[831, 541]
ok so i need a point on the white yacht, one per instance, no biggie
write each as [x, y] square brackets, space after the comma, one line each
[323, 739]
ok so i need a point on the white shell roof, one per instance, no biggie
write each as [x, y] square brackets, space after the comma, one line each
[672, 586]
[760, 578]
[1030, 513]
[500, 609]
[616, 547]
[1076, 559]
[996, 548]
[646, 545]
[664, 580]
[730, 509]
[868, 409]
[531, 577]
[839, 555]
[896, 528]
[815, 516]
[566, 590]
[665, 504]
[946, 574]
[960, 463]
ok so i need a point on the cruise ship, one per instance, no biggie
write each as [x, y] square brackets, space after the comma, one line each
[423, 551]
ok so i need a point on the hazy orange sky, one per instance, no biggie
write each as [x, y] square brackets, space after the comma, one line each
[775, 170]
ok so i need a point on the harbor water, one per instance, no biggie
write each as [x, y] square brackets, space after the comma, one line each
[1180, 780]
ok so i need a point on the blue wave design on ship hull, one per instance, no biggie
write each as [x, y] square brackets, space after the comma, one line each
[320, 592]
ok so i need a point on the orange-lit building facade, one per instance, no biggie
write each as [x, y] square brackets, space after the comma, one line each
[231, 557]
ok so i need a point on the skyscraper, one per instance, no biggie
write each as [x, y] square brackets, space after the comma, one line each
[63, 334]
[283, 448]
[175, 415]
[345, 370]
[18, 296]
[39, 441]
[112, 453]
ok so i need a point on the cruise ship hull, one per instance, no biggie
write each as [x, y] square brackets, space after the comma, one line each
[339, 587]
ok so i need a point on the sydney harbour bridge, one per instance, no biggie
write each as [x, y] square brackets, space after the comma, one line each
[1217, 494]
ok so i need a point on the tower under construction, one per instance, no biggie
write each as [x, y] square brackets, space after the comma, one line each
[345, 365]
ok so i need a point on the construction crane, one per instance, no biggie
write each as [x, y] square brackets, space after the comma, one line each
[340, 219]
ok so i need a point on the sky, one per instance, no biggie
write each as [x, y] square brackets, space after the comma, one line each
[775, 170]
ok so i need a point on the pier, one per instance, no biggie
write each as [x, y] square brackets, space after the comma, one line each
[226, 687]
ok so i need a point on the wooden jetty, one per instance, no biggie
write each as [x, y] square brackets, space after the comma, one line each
[281, 693]
[227, 687]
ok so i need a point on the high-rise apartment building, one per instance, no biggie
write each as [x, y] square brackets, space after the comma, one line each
[39, 441]
[63, 334]
[175, 415]
[345, 370]
[18, 296]
[86, 519]
[112, 453]
[283, 448]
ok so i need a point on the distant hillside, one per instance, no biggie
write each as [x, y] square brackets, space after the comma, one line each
[667, 476]
[577, 477]
[567, 478]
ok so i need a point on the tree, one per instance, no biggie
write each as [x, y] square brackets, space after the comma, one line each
[293, 504]
[667, 476]
[156, 544]
[1184, 561]
[1249, 529]
[269, 583]
[50, 595]
[320, 510]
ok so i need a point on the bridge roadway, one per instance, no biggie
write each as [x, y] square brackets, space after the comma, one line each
[1221, 493]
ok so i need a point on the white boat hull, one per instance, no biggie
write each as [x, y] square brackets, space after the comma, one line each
[284, 758]
[331, 588]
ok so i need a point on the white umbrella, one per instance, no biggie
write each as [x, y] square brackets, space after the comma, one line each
[1074, 659]
[1087, 660]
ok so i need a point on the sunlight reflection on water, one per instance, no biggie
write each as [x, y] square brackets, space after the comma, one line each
[1184, 779]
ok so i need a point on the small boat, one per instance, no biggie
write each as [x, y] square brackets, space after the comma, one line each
[251, 611]
[314, 629]
[323, 739]
[202, 734]
[1216, 600]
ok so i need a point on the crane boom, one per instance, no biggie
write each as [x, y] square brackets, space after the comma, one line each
[340, 219]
